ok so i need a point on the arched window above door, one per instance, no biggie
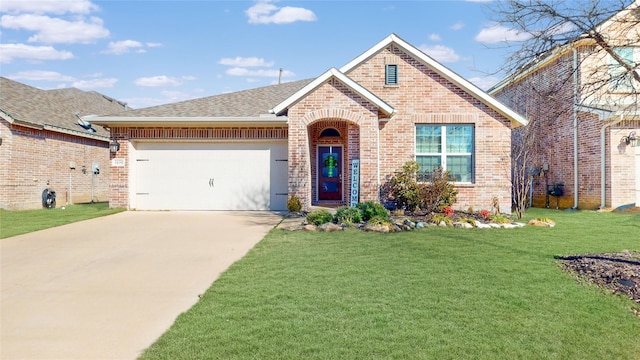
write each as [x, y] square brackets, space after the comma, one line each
[329, 132]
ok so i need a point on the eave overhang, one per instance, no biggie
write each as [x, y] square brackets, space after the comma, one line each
[115, 121]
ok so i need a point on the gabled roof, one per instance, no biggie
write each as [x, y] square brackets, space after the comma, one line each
[516, 119]
[247, 106]
[57, 110]
[333, 73]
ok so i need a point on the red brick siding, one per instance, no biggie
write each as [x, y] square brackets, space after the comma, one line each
[546, 96]
[33, 160]
[333, 101]
[423, 96]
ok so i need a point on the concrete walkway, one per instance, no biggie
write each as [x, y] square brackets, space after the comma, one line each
[107, 288]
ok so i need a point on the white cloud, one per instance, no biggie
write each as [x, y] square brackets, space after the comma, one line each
[245, 62]
[40, 75]
[264, 12]
[123, 47]
[95, 83]
[498, 33]
[457, 26]
[55, 30]
[8, 52]
[440, 53]
[435, 37]
[236, 71]
[48, 6]
[484, 83]
[152, 44]
[160, 80]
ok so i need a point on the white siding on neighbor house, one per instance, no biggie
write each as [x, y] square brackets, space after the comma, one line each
[208, 176]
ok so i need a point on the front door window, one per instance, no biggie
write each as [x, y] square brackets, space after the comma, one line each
[329, 173]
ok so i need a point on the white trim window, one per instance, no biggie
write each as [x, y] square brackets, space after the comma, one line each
[449, 147]
[621, 79]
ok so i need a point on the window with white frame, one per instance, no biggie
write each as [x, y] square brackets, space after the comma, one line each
[449, 147]
[621, 79]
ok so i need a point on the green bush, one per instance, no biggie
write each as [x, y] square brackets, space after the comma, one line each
[440, 192]
[347, 215]
[382, 220]
[319, 217]
[405, 189]
[432, 195]
[499, 219]
[371, 209]
[293, 204]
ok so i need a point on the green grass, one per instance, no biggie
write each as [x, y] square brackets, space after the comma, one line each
[437, 293]
[21, 222]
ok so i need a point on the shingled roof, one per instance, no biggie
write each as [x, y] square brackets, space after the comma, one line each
[56, 110]
[246, 103]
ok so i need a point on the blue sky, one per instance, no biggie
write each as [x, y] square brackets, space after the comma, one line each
[148, 53]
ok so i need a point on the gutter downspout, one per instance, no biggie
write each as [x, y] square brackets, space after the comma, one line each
[603, 157]
[575, 129]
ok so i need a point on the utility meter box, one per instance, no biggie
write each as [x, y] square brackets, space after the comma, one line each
[95, 168]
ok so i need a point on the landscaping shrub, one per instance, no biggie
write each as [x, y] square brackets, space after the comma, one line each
[319, 217]
[429, 196]
[405, 189]
[372, 209]
[499, 219]
[293, 204]
[348, 215]
[382, 220]
[437, 218]
[440, 192]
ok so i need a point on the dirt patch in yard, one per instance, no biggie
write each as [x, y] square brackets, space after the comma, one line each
[615, 272]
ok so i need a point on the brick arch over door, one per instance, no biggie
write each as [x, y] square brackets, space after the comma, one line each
[349, 140]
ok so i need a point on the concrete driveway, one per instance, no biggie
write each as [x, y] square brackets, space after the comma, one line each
[107, 288]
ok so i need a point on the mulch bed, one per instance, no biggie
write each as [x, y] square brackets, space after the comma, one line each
[616, 272]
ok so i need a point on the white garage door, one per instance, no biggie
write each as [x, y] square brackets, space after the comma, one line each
[201, 176]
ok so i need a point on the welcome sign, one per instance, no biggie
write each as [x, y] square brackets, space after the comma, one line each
[355, 181]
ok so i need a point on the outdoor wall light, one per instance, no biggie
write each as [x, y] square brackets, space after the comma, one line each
[114, 147]
[631, 139]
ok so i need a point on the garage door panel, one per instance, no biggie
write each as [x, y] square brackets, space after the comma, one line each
[183, 176]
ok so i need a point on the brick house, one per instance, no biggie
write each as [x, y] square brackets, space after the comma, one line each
[332, 140]
[44, 145]
[586, 116]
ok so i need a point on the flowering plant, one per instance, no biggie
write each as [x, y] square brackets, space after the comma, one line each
[485, 214]
[448, 211]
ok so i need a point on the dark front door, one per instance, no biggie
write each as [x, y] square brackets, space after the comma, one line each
[329, 173]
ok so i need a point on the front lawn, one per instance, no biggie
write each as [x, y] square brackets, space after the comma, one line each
[436, 293]
[20, 222]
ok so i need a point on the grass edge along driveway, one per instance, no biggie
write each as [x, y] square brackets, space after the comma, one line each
[19, 222]
[437, 293]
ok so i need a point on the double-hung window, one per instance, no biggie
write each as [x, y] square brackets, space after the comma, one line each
[449, 147]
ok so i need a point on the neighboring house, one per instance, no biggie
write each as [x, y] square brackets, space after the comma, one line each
[586, 118]
[45, 145]
[254, 149]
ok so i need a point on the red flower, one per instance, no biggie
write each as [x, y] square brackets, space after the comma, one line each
[448, 211]
[485, 214]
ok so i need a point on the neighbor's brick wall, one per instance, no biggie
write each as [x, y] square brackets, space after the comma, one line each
[33, 160]
[127, 136]
[546, 96]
